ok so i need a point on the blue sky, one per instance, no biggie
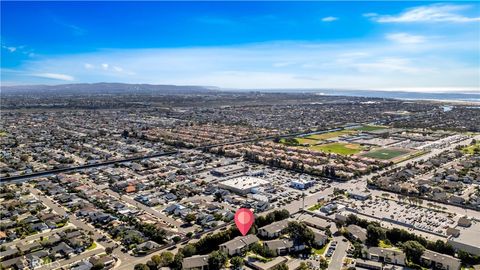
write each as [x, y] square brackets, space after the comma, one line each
[428, 46]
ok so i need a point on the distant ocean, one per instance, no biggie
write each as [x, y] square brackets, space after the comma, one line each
[471, 97]
[467, 96]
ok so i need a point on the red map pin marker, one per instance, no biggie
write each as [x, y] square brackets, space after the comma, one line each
[244, 219]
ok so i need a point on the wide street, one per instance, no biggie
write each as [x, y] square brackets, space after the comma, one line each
[96, 234]
[127, 261]
[297, 205]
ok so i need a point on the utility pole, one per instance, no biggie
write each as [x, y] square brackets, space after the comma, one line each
[303, 201]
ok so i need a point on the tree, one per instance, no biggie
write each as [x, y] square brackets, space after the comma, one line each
[151, 265]
[217, 260]
[177, 261]
[291, 141]
[157, 260]
[375, 234]
[189, 250]
[190, 218]
[323, 263]
[281, 266]
[141, 266]
[109, 250]
[301, 233]
[164, 259]
[413, 250]
[237, 262]
[303, 266]
[218, 197]
[468, 258]
[281, 214]
[357, 250]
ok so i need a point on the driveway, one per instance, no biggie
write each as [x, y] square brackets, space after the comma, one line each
[340, 252]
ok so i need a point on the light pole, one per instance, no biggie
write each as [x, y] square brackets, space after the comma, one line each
[303, 201]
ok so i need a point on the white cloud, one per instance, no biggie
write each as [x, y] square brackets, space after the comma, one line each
[282, 64]
[371, 64]
[118, 69]
[75, 29]
[370, 14]
[88, 66]
[9, 48]
[21, 49]
[386, 65]
[429, 13]
[55, 76]
[329, 19]
[405, 38]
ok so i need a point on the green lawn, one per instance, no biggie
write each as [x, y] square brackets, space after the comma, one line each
[315, 207]
[321, 250]
[61, 224]
[370, 128]
[338, 148]
[330, 135]
[302, 140]
[471, 149]
[385, 154]
[382, 244]
[258, 257]
[92, 246]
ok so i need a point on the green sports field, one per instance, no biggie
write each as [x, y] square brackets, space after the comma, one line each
[338, 148]
[370, 128]
[302, 141]
[330, 135]
[385, 154]
[306, 141]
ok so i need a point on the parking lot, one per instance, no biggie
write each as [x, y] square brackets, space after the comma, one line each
[413, 216]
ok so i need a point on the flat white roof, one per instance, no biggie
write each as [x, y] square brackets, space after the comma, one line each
[469, 235]
[244, 182]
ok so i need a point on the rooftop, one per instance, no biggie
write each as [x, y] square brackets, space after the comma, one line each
[469, 235]
[244, 182]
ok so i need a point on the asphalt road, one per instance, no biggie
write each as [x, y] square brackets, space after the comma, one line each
[127, 261]
[22, 178]
[97, 234]
[340, 252]
[296, 205]
[140, 206]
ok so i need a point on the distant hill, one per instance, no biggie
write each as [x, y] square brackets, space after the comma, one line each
[104, 88]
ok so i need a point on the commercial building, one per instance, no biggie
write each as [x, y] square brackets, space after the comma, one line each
[359, 194]
[227, 170]
[243, 184]
[301, 184]
[467, 238]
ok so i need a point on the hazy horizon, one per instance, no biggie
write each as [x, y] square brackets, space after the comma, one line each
[395, 46]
